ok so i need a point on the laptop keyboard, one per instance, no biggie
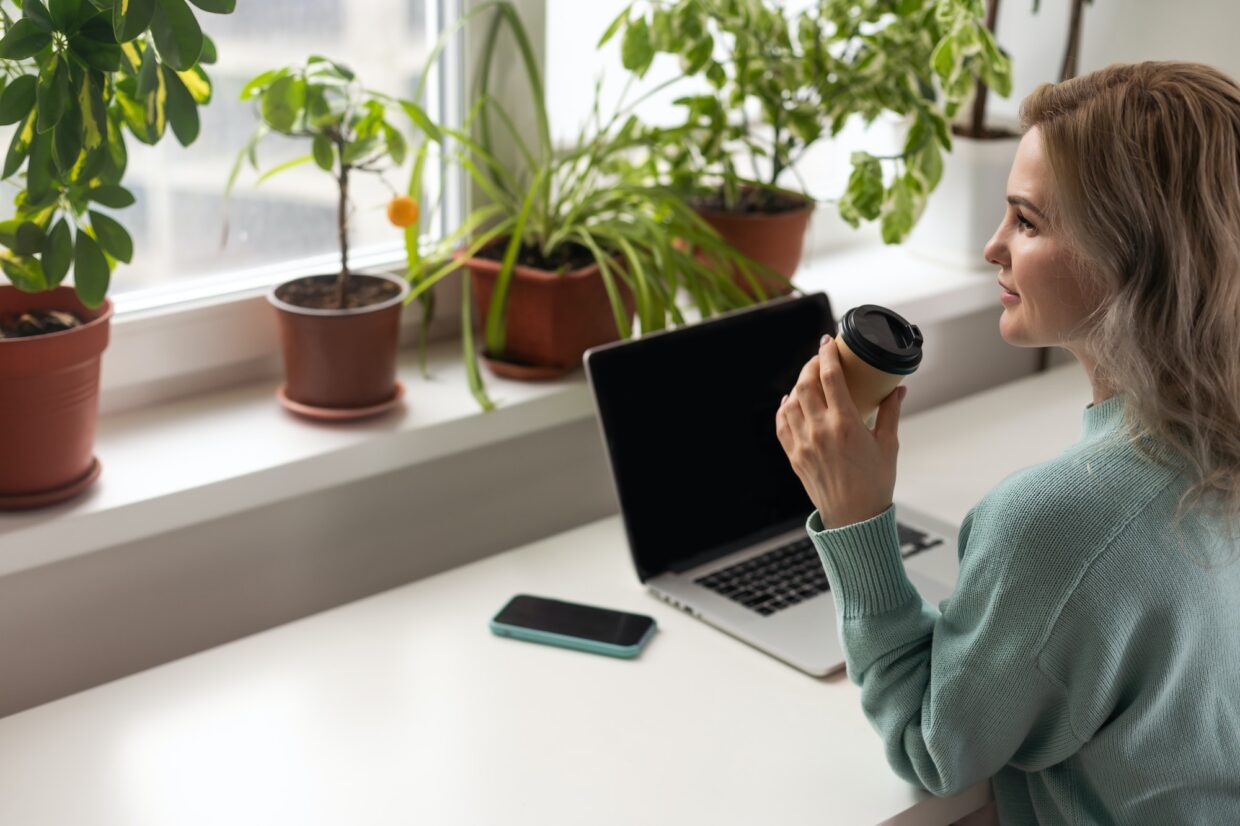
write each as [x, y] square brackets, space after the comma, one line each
[790, 574]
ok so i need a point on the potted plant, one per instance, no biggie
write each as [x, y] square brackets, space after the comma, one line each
[339, 332]
[780, 82]
[974, 184]
[77, 74]
[567, 248]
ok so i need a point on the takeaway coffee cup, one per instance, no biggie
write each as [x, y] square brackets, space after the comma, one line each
[877, 348]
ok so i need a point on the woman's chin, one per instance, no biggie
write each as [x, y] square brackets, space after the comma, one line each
[1013, 332]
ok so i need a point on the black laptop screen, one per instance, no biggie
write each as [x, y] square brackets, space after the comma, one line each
[688, 417]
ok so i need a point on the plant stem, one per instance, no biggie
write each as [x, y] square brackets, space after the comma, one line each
[1072, 52]
[978, 125]
[342, 224]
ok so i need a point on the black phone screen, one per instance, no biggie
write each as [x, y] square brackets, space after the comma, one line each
[574, 620]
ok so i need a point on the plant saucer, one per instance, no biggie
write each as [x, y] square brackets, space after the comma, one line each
[39, 499]
[339, 414]
[524, 372]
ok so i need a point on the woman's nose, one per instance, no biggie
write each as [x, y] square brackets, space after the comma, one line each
[995, 251]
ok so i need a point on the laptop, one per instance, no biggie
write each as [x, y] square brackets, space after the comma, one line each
[713, 512]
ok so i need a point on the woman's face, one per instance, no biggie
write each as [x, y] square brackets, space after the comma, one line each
[1043, 301]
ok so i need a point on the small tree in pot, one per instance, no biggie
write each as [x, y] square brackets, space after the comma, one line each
[77, 75]
[340, 332]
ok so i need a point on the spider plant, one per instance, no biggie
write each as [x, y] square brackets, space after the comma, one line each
[577, 197]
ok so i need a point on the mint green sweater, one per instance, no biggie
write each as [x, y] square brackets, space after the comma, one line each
[1088, 661]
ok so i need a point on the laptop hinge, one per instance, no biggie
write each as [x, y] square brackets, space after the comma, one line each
[720, 551]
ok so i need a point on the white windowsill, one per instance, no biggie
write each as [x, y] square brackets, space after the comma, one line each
[179, 463]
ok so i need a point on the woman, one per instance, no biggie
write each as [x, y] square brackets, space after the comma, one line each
[1089, 659]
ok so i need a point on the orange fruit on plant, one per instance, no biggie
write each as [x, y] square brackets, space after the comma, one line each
[403, 211]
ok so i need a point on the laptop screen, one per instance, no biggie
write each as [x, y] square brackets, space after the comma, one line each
[688, 420]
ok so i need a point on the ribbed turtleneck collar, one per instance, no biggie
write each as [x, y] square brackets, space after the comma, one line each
[1103, 417]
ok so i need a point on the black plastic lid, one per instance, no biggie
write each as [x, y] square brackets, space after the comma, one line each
[882, 338]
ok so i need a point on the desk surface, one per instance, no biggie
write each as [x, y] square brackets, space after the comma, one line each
[402, 708]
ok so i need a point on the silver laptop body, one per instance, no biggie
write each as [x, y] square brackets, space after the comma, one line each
[694, 518]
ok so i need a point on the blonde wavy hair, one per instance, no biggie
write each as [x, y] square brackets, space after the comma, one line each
[1146, 163]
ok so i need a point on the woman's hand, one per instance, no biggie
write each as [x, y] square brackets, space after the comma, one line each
[848, 470]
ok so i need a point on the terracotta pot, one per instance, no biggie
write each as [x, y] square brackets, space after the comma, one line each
[340, 359]
[774, 239]
[552, 318]
[49, 401]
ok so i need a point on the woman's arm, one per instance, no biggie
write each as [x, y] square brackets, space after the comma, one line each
[957, 695]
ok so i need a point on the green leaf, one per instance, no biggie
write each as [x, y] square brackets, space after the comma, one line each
[25, 273]
[621, 19]
[112, 236]
[636, 52]
[198, 84]
[25, 39]
[57, 253]
[68, 139]
[30, 238]
[898, 213]
[53, 94]
[396, 145]
[39, 167]
[177, 34]
[283, 103]
[216, 6]
[8, 232]
[131, 18]
[91, 272]
[65, 14]
[148, 74]
[323, 153]
[209, 54]
[357, 150]
[422, 121]
[35, 10]
[93, 110]
[276, 170]
[19, 147]
[943, 59]
[17, 99]
[697, 55]
[865, 185]
[96, 47]
[182, 111]
[110, 195]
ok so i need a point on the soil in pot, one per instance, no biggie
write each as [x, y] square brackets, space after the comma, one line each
[752, 201]
[566, 258]
[37, 323]
[319, 292]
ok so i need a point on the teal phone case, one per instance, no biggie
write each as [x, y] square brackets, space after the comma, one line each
[518, 632]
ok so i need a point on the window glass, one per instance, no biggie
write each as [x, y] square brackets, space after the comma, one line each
[178, 221]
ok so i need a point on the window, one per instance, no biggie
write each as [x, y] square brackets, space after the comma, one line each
[178, 220]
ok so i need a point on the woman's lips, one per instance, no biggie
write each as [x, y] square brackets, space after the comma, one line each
[1007, 296]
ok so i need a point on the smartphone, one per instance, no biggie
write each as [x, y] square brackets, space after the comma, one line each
[571, 625]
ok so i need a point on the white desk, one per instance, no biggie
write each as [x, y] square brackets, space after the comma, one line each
[404, 709]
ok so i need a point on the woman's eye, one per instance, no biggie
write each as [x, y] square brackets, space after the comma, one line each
[1022, 223]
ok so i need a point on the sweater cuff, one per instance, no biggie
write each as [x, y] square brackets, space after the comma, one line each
[863, 564]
